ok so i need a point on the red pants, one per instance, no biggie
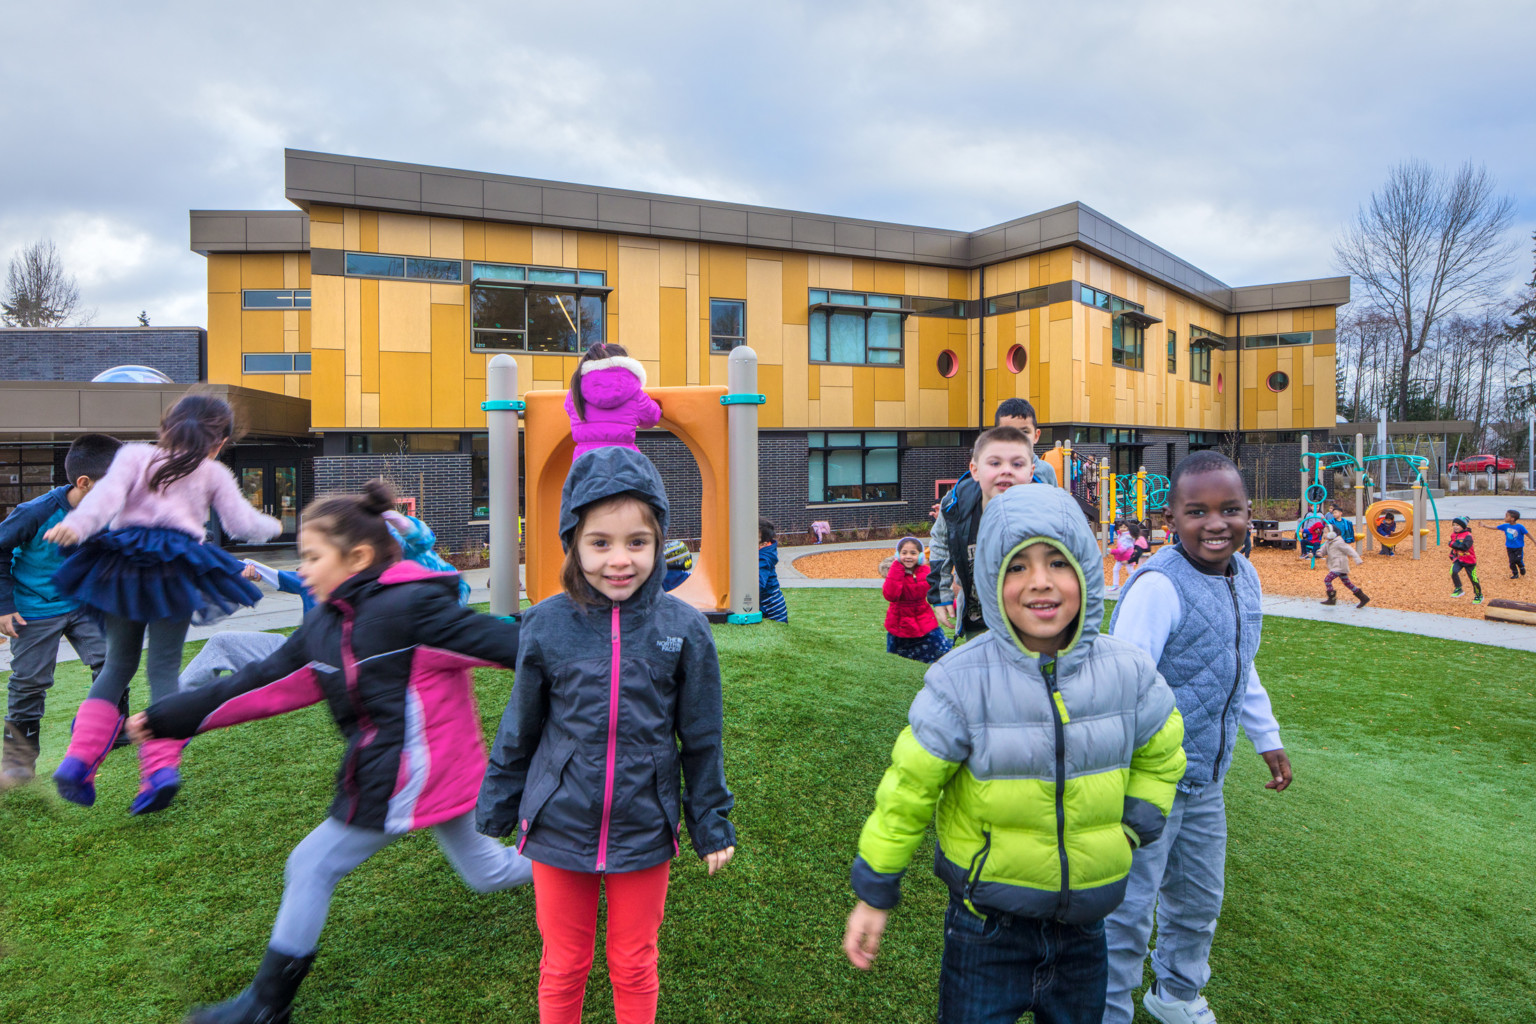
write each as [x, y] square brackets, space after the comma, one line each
[566, 907]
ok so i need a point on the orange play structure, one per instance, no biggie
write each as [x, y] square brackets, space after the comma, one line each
[698, 419]
[1404, 521]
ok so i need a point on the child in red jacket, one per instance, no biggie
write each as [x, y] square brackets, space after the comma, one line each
[911, 630]
[1464, 557]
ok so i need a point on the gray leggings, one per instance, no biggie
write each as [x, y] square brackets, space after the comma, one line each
[226, 653]
[125, 644]
[331, 851]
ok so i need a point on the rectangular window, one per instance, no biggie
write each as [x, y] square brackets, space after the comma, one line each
[553, 322]
[1126, 341]
[367, 264]
[854, 466]
[270, 298]
[275, 362]
[858, 336]
[1173, 351]
[727, 324]
[953, 308]
[434, 270]
[1200, 362]
[1276, 340]
[933, 439]
[509, 318]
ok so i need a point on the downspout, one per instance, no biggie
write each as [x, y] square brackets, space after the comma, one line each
[981, 351]
[1237, 389]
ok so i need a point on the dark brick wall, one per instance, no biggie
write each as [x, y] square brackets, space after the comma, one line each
[439, 483]
[1278, 464]
[81, 353]
[681, 475]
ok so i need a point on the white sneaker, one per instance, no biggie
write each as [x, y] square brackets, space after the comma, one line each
[1173, 1011]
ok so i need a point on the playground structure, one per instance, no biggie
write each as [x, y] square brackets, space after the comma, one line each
[719, 426]
[1105, 497]
[1412, 516]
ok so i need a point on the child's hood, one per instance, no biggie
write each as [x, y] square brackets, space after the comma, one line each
[606, 473]
[1025, 515]
[609, 383]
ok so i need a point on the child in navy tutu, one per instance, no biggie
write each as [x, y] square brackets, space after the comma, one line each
[142, 566]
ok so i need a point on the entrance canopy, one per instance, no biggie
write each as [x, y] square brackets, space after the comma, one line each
[62, 410]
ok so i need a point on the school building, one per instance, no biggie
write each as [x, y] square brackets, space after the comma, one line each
[883, 347]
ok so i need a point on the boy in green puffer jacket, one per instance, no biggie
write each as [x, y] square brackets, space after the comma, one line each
[1049, 753]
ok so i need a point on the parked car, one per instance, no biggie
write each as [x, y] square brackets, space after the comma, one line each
[1482, 463]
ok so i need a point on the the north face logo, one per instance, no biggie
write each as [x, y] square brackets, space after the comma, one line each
[672, 644]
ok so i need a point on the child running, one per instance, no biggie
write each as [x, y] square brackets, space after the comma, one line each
[910, 628]
[389, 650]
[1464, 556]
[1197, 609]
[770, 598]
[607, 402]
[150, 572]
[1120, 552]
[1001, 458]
[618, 686]
[1338, 551]
[1514, 542]
[1050, 753]
[34, 614]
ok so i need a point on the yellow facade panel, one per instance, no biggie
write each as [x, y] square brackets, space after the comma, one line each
[405, 318]
[508, 243]
[223, 273]
[674, 264]
[291, 269]
[959, 403]
[327, 402]
[727, 272]
[813, 382]
[835, 375]
[261, 330]
[796, 385]
[639, 302]
[863, 394]
[673, 345]
[368, 332]
[261, 271]
[407, 234]
[765, 300]
[224, 316]
[770, 382]
[834, 272]
[474, 240]
[405, 389]
[474, 394]
[890, 415]
[548, 246]
[890, 384]
[933, 408]
[890, 278]
[837, 407]
[369, 409]
[448, 294]
[354, 401]
[694, 328]
[447, 238]
[592, 251]
[352, 289]
[793, 288]
[368, 231]
[324, 215]
[447, 365]
[351, 229]
[325, 236]
[717, 371]
[328, 317]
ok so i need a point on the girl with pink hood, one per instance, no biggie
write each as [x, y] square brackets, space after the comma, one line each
[607, 402]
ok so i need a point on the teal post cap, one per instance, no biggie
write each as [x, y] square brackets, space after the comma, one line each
[751, 618]
[743, 399]
[504, 405]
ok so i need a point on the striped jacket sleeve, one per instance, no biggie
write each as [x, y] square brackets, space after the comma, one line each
[284, 681]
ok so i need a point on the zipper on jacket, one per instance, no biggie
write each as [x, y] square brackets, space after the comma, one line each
[978, 862]
[613, 746]
[364, 721]
[1058, 718]
[1237, 616]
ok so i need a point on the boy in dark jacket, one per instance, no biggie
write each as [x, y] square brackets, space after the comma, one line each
[33, 613]
[1464, 556]
[770, 599]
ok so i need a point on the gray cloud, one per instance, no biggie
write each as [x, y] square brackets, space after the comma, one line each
[1239, 136]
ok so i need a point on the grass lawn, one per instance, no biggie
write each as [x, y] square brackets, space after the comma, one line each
[1391, 883]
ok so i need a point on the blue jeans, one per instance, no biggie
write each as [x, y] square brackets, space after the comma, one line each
[998, 967]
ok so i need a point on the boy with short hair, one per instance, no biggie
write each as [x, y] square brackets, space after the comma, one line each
[1196, 609]
[1464, 556]
[1514, 542]
[770, 599]
[33, 613]
[1001, 458]
[1050, 753]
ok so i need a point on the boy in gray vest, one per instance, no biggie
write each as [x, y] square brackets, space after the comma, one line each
[1195, 608]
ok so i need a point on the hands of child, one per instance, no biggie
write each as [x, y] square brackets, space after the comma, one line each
[942, 613]
[251, 573]
[138, 728]
[861, 942]
[719, 859]
[1279, 769]
[63, 536]
[8, 623]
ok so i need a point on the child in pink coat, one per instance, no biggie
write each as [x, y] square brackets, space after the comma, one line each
[607, 402]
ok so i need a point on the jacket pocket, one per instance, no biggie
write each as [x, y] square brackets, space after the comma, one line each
[978, 863]
[667, 794]
[543, 782]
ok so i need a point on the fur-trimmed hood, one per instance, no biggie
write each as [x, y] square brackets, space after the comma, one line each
[608, 383]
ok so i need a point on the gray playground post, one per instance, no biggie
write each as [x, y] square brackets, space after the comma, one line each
[1106, 507]
[1360, 529]
[741, 419]
[1530, 452]
[501, 415]
[1418, 519]
[1381, 449]
[1305, 441]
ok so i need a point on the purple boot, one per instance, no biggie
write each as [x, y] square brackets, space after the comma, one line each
[97, 724]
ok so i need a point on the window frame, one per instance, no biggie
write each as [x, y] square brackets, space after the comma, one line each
[294, 360]
[1173, 351]
[581, 340]
[735, 341]
[293, 296]
[1121, 351]
[829, 306]
[817, 454]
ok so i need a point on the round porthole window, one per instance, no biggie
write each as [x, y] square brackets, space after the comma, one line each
[1279, 381]
[1017, 359]
[949, 364]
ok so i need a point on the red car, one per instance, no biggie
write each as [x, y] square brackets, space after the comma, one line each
[1482, 463]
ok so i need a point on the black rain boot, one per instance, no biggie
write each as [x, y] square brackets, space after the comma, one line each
[18, 757]
[1365, 598]
[122, 734]
[268, 1000]
[1332, 599]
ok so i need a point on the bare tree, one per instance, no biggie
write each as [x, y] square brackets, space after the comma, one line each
[1428, 244]
[38, 293]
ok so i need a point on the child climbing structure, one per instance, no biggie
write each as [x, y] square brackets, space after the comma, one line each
[719, 426]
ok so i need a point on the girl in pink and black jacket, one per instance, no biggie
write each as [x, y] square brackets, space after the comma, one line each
[607, 402]
[389, 649]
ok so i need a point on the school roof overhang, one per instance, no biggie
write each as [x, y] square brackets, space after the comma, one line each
[331, 179]
[62, 410]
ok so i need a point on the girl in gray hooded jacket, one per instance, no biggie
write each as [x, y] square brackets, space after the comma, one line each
[618, 688]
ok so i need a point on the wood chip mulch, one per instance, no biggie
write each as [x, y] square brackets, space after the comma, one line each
[1397, 582]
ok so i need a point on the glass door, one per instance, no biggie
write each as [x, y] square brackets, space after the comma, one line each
[273, 487]
[285, 498]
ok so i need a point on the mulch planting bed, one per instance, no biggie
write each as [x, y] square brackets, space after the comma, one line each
[1396, 582]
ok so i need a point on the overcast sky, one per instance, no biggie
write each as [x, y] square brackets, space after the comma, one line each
[1239, 136]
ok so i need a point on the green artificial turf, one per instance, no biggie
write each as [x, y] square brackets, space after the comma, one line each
[1391, 883]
